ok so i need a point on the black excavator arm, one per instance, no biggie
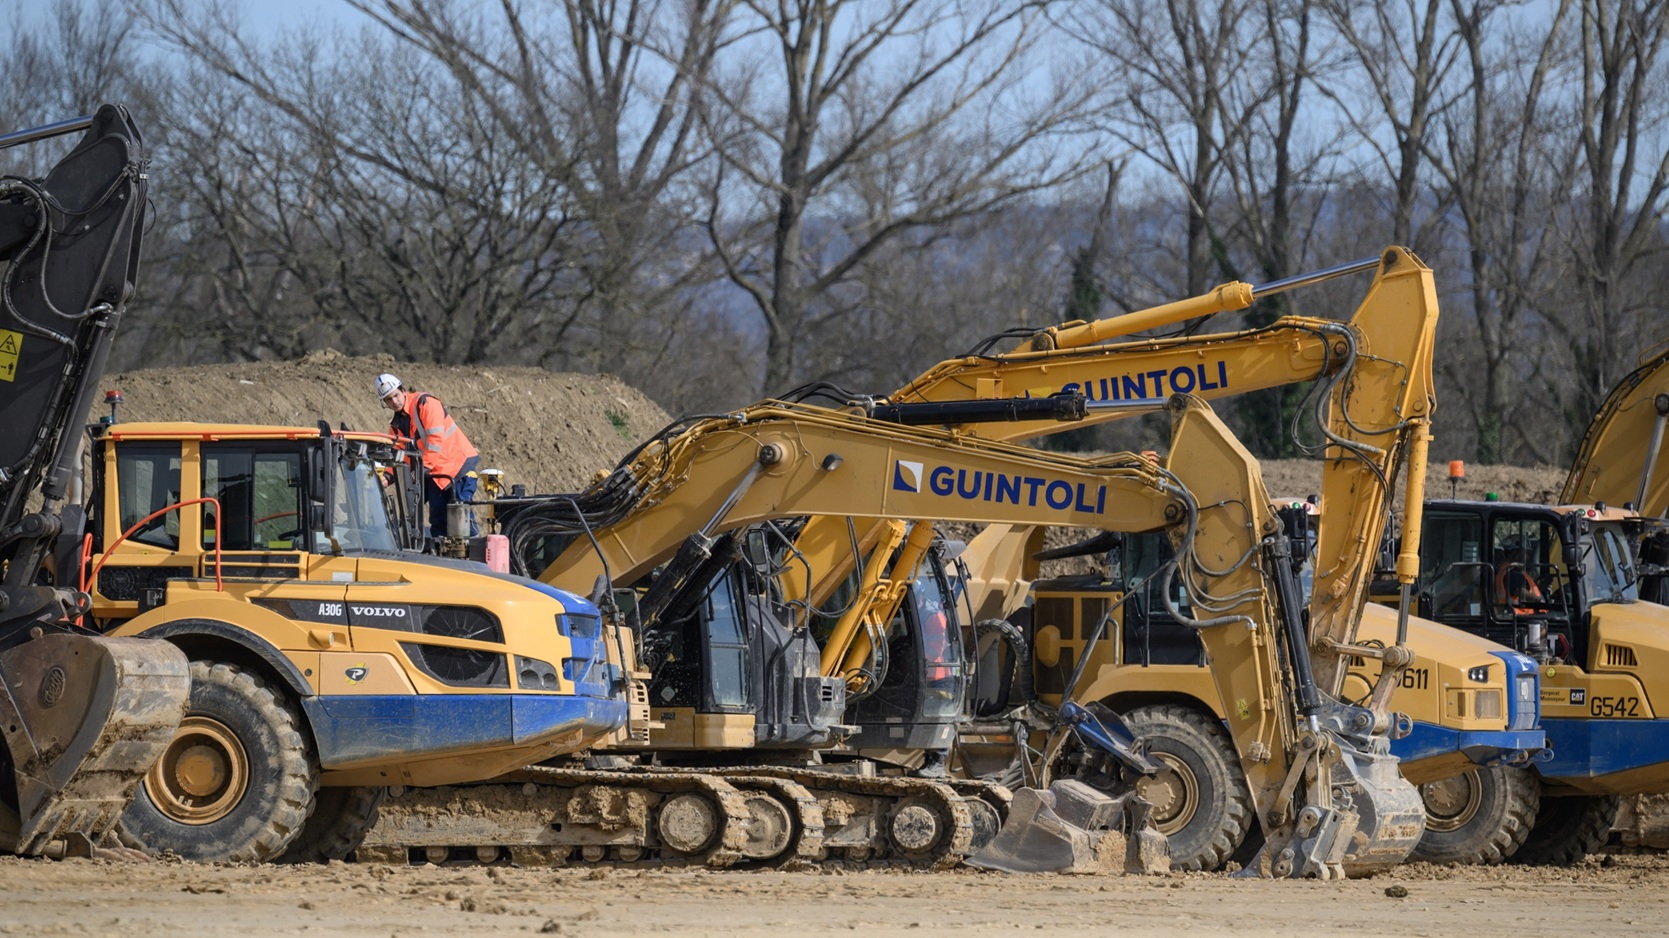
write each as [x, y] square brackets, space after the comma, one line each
[83, 717]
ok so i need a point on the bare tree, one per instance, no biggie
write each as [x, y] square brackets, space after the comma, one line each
[889, 121]
[1619, 209]
[605, 97]
[1403, 54]
[1491, 150]
[1178, 61]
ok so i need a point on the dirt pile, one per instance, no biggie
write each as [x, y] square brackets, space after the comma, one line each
[550, 431]
[1297, 478]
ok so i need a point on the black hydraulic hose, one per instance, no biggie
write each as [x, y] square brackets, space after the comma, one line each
[1061, 407]
[1290, 600]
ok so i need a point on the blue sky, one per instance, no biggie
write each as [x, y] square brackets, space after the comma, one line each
[263, 15]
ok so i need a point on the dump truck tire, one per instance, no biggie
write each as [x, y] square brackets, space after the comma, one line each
[1568, 828]
[1201, 803]
[340, 820]
[1481, 816]
[237, 782]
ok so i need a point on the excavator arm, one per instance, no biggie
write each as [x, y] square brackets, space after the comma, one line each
[1373, 402]
[83, 716]
[1621, 456]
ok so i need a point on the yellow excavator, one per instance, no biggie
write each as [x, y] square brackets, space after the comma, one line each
[82, 715]
[738, 764]
[1471, 701]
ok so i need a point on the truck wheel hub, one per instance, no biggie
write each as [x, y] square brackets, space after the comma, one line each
[202, 775]
[1174, 794]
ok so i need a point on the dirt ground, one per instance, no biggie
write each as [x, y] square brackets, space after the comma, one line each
[1614, 895]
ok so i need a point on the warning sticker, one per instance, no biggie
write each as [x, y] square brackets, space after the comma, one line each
[10, 343]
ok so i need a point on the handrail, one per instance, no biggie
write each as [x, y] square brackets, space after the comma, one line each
[218, 585]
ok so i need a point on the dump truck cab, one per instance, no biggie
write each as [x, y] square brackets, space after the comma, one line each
[1559, 584]
[274, 557]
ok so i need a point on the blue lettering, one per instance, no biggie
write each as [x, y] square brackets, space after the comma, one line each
[1109, 389]
[1223, 374]
[1078, 503]
[1135, 389]
[1065, 490]
[971, 491]
[989, 478]
[1101, 501]
[1032, 485]
[1205, 384]
[1158, 382]
[1176, 383]
[939, 480]
[1008, 489]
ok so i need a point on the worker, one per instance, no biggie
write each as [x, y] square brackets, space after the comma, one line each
[1514, 586]
[448, 457]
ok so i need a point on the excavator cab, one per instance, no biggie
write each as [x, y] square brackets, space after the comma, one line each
[918, 700]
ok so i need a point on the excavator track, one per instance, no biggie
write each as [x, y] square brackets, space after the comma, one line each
[543, 815]
[740, 816]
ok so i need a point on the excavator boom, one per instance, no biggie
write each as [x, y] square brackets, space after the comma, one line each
[1621, 457]
[83, 716]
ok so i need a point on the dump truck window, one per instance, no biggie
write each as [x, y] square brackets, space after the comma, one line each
[148, 479]
[259, 495]
[1452, 566]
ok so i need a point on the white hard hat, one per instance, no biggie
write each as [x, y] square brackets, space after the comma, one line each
[386, 384]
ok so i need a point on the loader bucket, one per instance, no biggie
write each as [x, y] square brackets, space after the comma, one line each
[84, 719]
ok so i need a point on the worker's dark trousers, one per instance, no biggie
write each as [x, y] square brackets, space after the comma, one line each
[462, 489]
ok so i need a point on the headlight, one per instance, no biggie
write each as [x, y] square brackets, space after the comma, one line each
[1489, 705]
[1479, 674]
[533, 674]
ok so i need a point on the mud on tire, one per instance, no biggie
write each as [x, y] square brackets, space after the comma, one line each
[340, 820]
[1202, 803]
[1568, 828]
[238, 781]
[1479, 817]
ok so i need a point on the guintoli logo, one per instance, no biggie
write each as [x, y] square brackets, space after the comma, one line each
[1158, 383]
[906, 476]
[1001, 488]
[385, 612]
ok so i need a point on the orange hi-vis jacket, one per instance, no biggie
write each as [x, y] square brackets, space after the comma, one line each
[424, 420]
[1514, 593]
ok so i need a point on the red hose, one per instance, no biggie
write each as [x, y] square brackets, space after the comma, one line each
[218, 585]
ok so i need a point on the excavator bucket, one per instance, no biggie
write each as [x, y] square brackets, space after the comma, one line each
[1064, 829]
[84, 718]
[1391, 815]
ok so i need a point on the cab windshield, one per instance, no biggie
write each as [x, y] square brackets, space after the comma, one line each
[360, 516]
[1607, 565]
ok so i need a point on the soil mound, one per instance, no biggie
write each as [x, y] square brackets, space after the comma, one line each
[550, 431]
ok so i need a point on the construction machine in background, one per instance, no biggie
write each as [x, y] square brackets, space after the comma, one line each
[1620, 464]
[82, 716]
[742, 710]
[1566, 585]
[1471, 702]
